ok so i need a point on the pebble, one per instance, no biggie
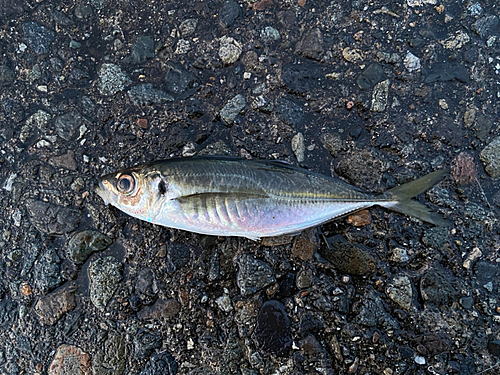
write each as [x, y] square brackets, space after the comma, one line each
[448, 72]
[162, 309]
[305, 244]
[352, 54]
[411, 62]
[144, 94]
[494, 347]
[289, 112]
[229, 112]
[229, 50]
[46, 271]
[7, 75]
[372, 75]
[272, 330]
[110, 358]
[437, 288]
[180, 83]
[142, 50]
[486, 26]
[187, 27]
[37, 37]
[145, 343]
[372, 312]
[70, 360]
[229, 12]
[311, 44]
[66, 161]
[224, 303]
[400, 291]
[146, 285]
[379, 96]
[8, 312]
[420, 360]
[464, 169]
[53, 306]
[84, 243]
[270, 34]
[112, 79]
[182, 47]
[67, 125]
[360, 218]
[104, 274]
[162, 363]
[302, 78]
[51, 218]
[298, 146]
[490, 157]
[347, 257]
[253, 274]
[37, 121]
[304, 279]
[399, 255]
[178, 256]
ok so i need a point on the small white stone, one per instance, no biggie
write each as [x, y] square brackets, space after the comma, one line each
[420, 360]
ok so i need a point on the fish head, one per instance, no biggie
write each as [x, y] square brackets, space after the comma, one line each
[131, 191]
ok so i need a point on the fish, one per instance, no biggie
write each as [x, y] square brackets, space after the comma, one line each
[226, 196]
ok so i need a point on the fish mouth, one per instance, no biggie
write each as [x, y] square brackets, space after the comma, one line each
[102, 192]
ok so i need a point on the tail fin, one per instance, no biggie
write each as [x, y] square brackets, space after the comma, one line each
[402, 196]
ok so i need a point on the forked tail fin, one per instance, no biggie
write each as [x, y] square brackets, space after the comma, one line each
[402, 195]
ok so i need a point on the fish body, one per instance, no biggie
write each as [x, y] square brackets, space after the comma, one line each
[247, 198]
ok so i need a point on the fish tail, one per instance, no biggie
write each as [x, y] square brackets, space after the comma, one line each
[399, 198]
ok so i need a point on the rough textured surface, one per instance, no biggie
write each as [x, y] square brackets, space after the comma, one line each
[104, 275]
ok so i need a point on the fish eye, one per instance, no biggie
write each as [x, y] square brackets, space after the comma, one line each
[126, 184]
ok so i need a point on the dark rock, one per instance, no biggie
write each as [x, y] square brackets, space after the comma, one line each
[181, 83]
[467, 302]
[436, 237]
[52, 218]
[8, 312]
[111, 355]
[83, 10]
[311, 44]
[178, 256]
[289, 112]
[486, 26]
[53, 306]
[64, 161]
[485, 272]
[494, 347]
[272, 330]
[437, 288]
[361, 168]
[434, 343]
[9, 9]
[347, 257]
[145, 343]
[104, 274]
[300, 78]
[311, 323]
[84, 243]
[287, 285]
[162, 363]
[229, 13]
[68, 124]
[446, 72]
[371, 76]
[7, 75]
[163, 309]
[37, 37]
[146, 283]
[142, 50]
[145, 94]
[60, 18]
[253, 274]
[47, 272]
[373, 313]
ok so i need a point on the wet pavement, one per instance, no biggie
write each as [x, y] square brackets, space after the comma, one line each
[376, 94]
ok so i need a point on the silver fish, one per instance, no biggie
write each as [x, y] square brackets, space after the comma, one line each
[225, 196]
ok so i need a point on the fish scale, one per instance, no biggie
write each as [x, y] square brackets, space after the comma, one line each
[249, 198]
